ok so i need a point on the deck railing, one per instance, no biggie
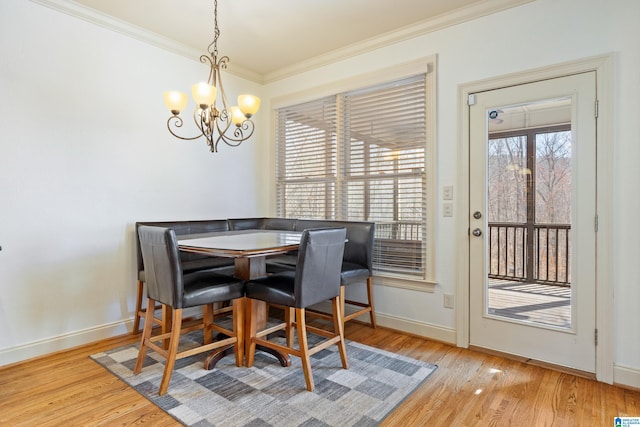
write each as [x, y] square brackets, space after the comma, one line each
[533, 253]
[398, 247]
[545, 258]
[404, 230]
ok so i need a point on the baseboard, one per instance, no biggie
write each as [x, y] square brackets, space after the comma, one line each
[421, 329]
[63, 342]
[626, 377]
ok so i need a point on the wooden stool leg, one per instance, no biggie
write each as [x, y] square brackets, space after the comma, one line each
[338, 327]
[174, 340]
[207, 321]
[238, 329]
[289, 318]
[342, 303]
[138, 310]
[146, 334]
[301, 325]
[372, 313]
[250, 332]
[166, 323]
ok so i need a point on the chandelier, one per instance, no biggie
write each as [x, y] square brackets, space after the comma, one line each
[231, 125]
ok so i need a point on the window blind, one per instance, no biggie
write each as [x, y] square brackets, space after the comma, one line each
[384, 144]
[306, 160]
[360, 155]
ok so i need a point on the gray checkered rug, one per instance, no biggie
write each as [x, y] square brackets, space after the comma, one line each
[270, 395]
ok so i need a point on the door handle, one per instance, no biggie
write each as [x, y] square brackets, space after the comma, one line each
[477, 232]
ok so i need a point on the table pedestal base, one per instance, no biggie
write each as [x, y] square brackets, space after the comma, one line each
[256, 313]
[215, 357]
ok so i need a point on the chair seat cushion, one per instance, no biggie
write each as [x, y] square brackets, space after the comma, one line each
[352, 273]
[199, 264]
[275, 289]
[207, 286]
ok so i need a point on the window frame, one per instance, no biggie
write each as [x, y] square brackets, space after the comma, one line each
[427, 67]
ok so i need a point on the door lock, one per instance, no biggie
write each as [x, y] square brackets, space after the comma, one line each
[477, 215]
[477, 232]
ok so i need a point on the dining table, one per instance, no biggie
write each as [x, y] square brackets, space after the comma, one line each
[249, 249]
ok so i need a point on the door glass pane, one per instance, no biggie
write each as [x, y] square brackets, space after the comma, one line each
[529, 213]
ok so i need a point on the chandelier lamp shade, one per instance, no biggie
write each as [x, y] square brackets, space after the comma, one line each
[215, 119]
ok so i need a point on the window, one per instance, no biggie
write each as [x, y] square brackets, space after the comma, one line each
[361, 155]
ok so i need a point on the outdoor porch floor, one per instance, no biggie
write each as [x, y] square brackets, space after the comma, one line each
[544, 304]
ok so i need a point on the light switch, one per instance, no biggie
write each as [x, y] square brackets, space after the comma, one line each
[447, 192]
[447, 209]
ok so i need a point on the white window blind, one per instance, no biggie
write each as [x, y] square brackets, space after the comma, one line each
[306, 160]
[360, 155]
[384, 140]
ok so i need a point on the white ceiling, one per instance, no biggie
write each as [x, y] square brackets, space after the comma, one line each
[268, 39]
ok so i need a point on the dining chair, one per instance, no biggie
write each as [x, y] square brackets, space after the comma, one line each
[190, 263]
[169, 285]
[357, 266]
[315, 279]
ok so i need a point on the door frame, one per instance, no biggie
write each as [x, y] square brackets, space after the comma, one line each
[602, 65]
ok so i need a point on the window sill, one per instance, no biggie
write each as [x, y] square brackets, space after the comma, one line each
[420, 285]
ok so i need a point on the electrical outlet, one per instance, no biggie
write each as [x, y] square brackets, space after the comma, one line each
[449, 301]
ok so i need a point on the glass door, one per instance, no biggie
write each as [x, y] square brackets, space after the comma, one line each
[532, 235]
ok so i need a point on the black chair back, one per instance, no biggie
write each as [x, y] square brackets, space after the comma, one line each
[360, 234]
[181, 228]
[163, 271]
[319, 264]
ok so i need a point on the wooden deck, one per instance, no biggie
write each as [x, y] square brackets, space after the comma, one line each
[543, 304]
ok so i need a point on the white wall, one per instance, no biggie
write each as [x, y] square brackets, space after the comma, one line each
[538, 34]
[84, 153]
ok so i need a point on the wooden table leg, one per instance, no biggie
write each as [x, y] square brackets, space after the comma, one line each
[256, 321]
[256, 314]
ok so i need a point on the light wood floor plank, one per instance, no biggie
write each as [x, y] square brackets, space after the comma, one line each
[468, 388]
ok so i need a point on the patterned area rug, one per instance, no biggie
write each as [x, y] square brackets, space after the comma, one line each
[270, 395]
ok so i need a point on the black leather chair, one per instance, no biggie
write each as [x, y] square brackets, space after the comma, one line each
[357, 265]
[190, 262]
[169, 285]
[315, 279]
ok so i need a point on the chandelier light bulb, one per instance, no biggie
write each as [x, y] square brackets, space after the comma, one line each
[204, 94]
[237, 116]
[248, 104]
[175, 101]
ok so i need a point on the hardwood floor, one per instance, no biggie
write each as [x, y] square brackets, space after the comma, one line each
[469, 388]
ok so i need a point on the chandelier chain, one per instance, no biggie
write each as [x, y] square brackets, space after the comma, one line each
[216, 31]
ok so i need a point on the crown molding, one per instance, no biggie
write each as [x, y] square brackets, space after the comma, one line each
[106, 21]
[109, 22]
[459, 16]
[436, 23]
